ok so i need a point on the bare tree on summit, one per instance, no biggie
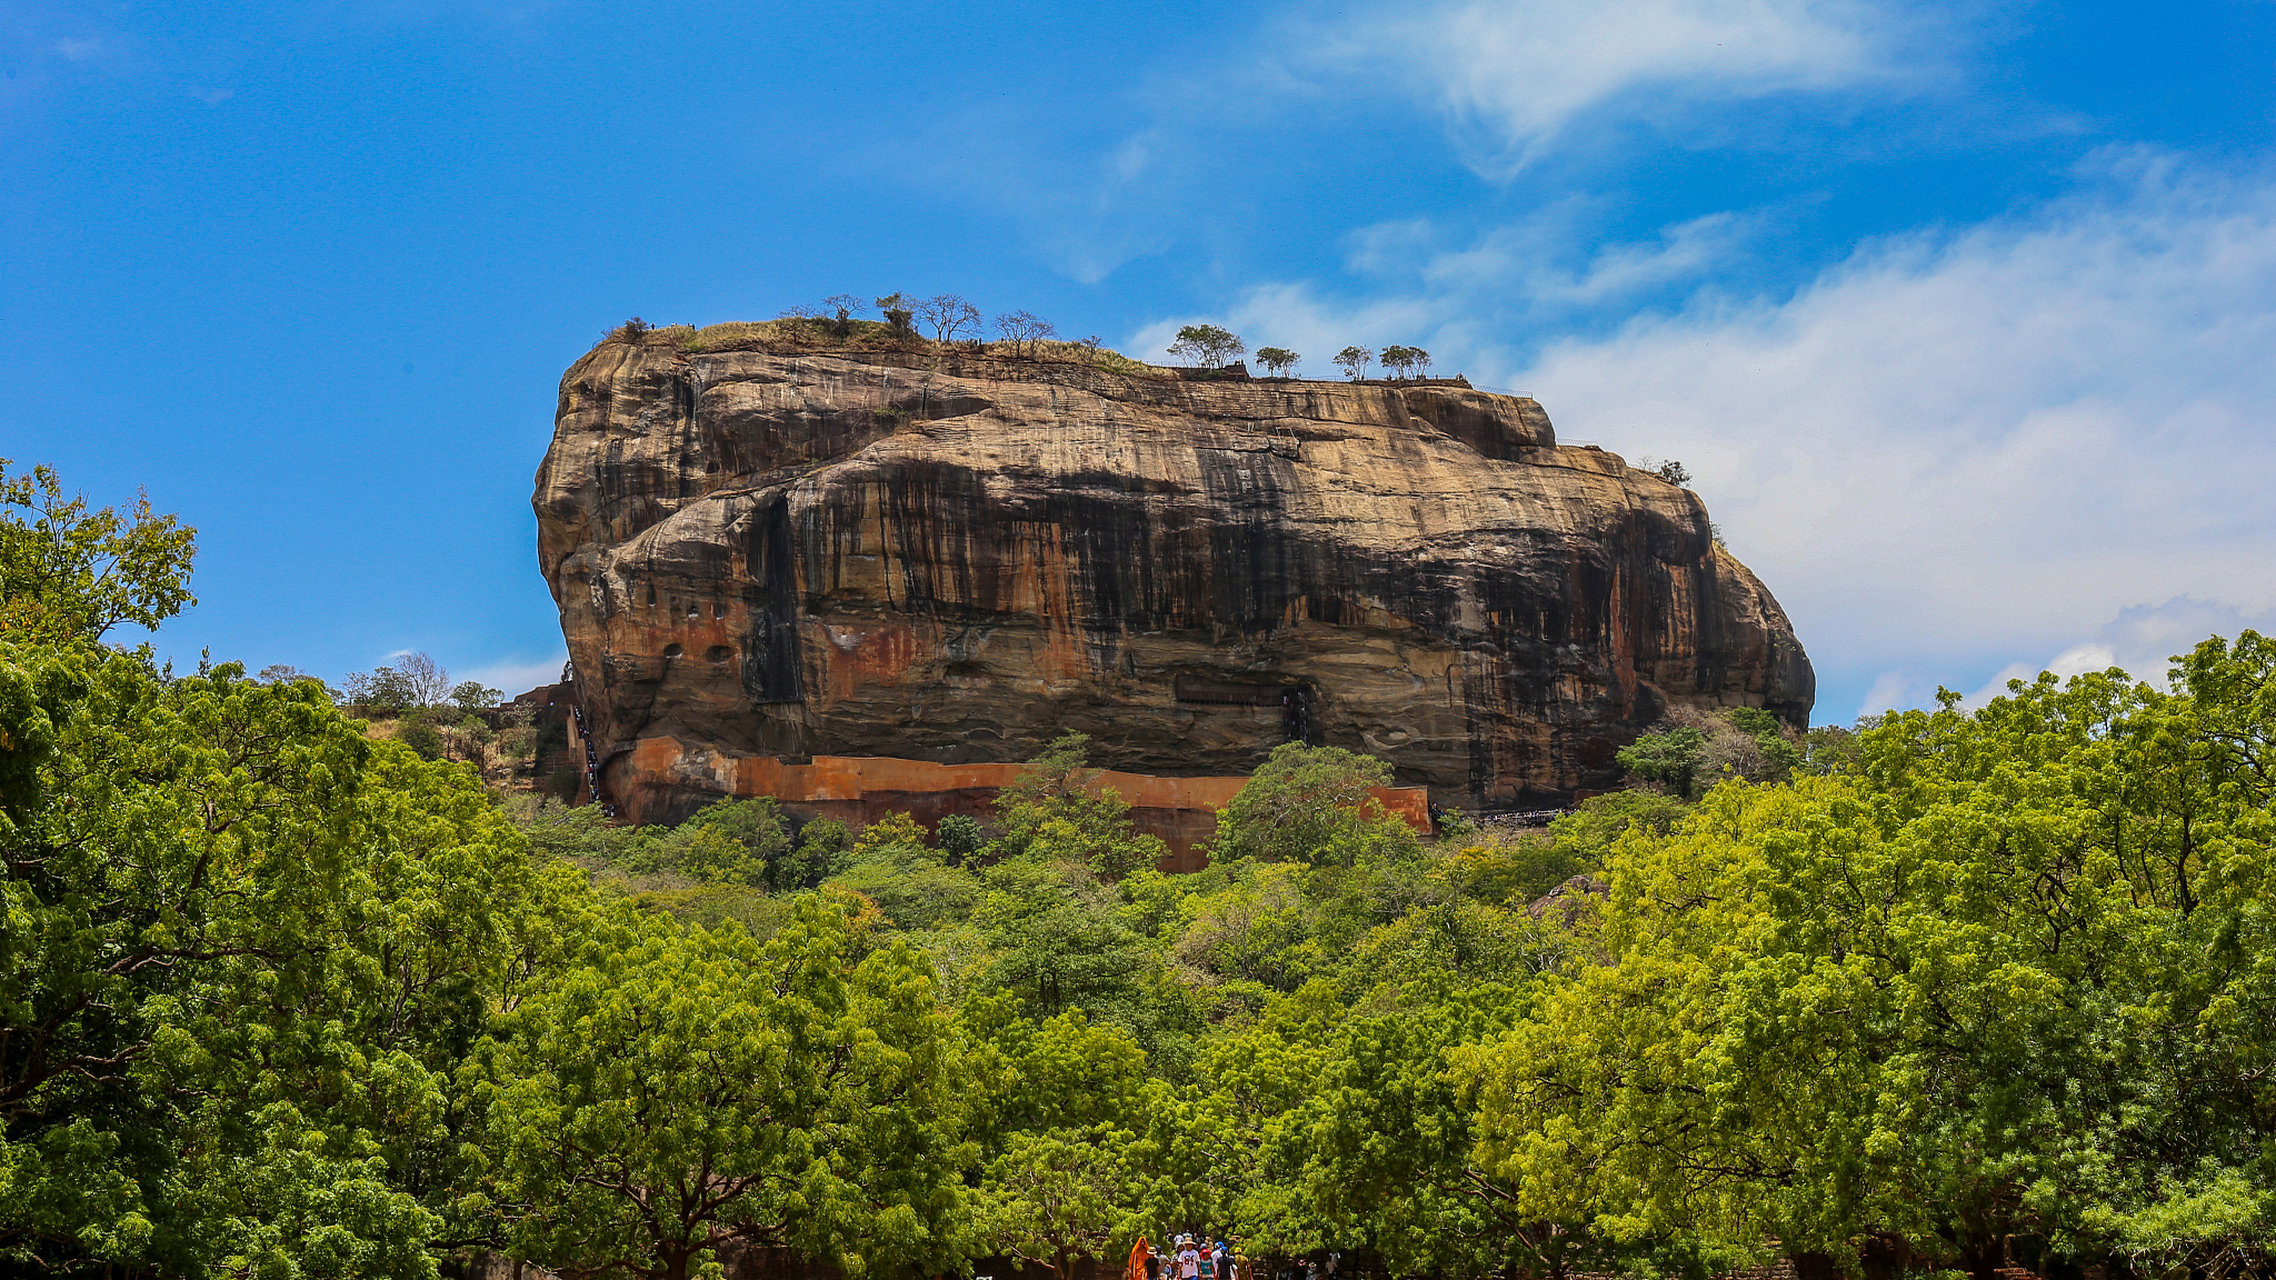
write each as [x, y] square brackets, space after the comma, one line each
[949, 315]
[1023, 328]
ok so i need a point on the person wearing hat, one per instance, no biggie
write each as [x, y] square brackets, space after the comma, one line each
[1188, 1259]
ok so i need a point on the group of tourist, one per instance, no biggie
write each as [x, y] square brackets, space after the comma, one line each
[1204, 1259]
[1188, 1260]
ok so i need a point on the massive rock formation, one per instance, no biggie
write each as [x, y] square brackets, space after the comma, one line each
[952, 557]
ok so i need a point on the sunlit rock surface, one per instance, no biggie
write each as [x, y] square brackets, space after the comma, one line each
[954, 558]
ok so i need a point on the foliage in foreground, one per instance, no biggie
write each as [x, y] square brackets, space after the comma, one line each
[279, 999]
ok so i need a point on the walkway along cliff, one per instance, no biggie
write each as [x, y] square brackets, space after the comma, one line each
[768, 555]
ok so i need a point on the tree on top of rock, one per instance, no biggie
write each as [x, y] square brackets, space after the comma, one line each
[1023, 329]
[948, 315]
[900, 312]
[1207, 346]
[1404, 361]
[1354, 360]
[1278, 359]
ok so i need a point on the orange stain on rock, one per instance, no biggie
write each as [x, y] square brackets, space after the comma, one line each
[1182, 811]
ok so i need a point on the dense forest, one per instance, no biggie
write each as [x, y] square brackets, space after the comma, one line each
[1959, 991]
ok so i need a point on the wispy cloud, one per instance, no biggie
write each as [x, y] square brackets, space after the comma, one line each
[1520, 73]
[516, 677]
[1954, 452]
[1976, 448]
[1465, 302]
[2142, 641]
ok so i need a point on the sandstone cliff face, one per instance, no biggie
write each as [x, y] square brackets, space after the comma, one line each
[954, 558]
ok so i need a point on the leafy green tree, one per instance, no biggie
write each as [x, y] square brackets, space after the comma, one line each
[755, 823]
[1588, 833]
[1310, 804]
[413, 682]
[958, 837]
[1670, 759]
[1354, 361]
[2006, 978]
[1057, 811]
[915, 892]
[70, 573]
[1207, 346]
[900, 312]
[709, 854]
[1260, 930]
[384, 692]
[1068, 1073]
[689, 1089]
[1278, 359]
[472, 696]
[820, 853]
[895, 832]
[578, 833]
[417, 730]
[1057, 1196]
[1701, 750]
[1060, 944]
[1395, 1151]
[891, 866]
[245, 949]
[1829, 748]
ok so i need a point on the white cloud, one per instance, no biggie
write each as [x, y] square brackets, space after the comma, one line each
[1953, 453]
[1892, 690]
[2142, 641]
[1522, 71]
[1296, 317]
[1524, 274]
[515, 677]
[1973, 449]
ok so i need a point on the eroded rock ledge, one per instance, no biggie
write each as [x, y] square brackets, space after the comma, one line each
[955, 558]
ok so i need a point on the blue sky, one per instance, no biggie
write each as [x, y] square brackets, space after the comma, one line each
[1963, 315]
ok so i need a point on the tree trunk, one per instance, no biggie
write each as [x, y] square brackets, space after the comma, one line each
[1981, 1257]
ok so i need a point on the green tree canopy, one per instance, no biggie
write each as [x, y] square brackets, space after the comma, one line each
[244, 948]
[67, 572]
[2008, 978]
[691, 1088]
[1310, 804]
[1207, 345]
[1278, 359]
